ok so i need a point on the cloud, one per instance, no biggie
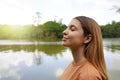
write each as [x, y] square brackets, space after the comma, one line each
[58, 72]
[20, 11]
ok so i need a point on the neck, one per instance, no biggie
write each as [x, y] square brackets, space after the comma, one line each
[78, 54]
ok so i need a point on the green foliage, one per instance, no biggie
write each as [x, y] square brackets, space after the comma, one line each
[52, 30]
[49, 31]
[5, 32]
[111, 30]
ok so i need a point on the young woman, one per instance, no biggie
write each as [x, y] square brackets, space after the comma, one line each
[83, 37]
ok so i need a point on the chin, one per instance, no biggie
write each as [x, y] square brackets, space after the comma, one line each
[65, 44]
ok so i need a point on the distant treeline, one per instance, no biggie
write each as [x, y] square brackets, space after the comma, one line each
[49, 31]
[111, 30]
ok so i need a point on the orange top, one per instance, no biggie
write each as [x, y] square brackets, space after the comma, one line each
[82, 71]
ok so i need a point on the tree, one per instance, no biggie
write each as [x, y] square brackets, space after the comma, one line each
[53, 29]
[117, 8]
[111, 30]
[36, 19]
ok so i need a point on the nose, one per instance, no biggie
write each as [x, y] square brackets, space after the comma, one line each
[65, 32]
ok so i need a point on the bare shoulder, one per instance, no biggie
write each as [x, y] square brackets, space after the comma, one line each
[89, 72]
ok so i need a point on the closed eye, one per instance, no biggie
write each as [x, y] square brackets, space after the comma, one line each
[72, 28]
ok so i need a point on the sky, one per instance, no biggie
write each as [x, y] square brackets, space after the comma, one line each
[22, 11]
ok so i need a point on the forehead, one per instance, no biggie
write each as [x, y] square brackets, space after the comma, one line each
[75, 22]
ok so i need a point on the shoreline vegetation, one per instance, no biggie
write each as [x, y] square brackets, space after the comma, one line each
[111, 30]
[49, 31]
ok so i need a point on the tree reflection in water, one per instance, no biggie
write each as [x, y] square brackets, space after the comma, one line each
[36, 50]
[30, 61]
[113, 48]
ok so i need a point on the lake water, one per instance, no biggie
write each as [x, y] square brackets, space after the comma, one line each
[23, 60]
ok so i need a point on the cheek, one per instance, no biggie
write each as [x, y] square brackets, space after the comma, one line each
[76, 39]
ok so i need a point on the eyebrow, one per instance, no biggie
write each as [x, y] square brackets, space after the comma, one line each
[72, 26]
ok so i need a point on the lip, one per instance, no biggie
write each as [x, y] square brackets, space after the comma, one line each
[64, 38]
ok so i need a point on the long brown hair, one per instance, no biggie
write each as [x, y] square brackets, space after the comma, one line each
[94, 49]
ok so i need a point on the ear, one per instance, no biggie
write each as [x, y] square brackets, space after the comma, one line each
[88, 38]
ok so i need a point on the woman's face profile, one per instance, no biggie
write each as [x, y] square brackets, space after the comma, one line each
[73, 35]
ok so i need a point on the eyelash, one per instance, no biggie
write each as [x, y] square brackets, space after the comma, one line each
[72, 28]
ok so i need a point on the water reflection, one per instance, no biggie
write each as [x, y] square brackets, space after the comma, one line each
[112, 45]
[48, 49]
[113, 48]
[10, 64]
[18, 61]
[47, 61]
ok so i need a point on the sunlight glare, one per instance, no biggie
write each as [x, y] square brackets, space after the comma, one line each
[10, 14]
